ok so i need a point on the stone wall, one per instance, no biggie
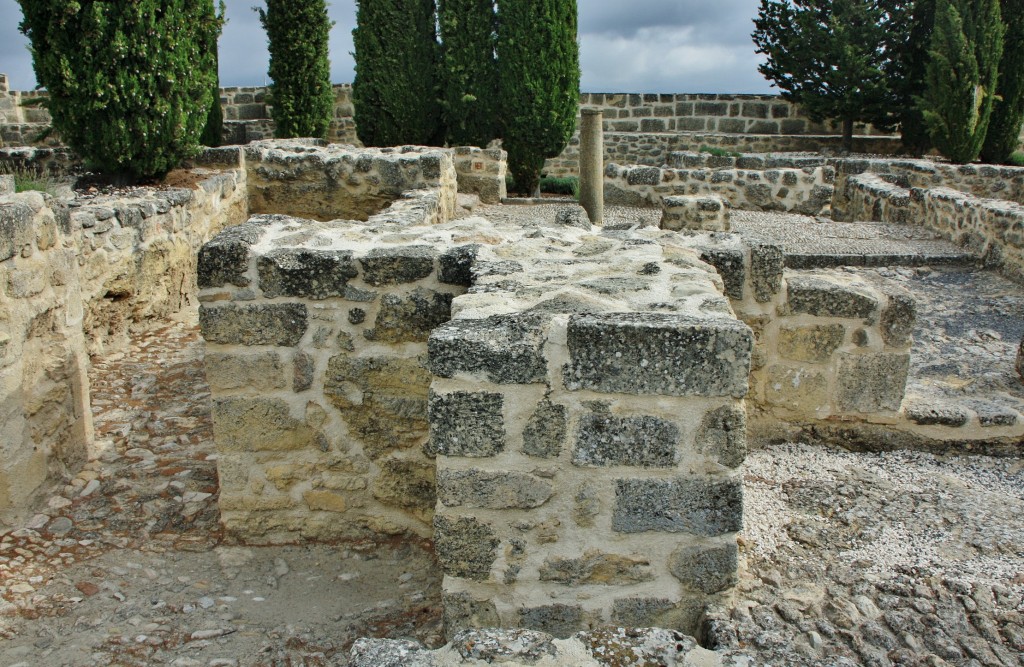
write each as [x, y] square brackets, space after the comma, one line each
[808, 190]
[72, 281]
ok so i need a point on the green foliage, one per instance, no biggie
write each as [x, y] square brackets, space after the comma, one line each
[833, 56]
[1003, 136]
[1017, 159]
[129, 82]
[470, 70]
[719, 152]
[538, 83]
[213, 132]
[396, 86]
[909, 77]
[28, 179]
[966, 47]
[569, 185]
[298, 32]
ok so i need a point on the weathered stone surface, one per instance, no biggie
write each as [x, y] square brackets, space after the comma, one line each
[6, 184]
[382, 399]
[811, 343]
[389, 653]
[262, 371]
[16, 228]
[823, 297]
[706, 569]
[596, 567]
[260, 424]
[506, 349]
[410, 319]
[467, 424]
[936, 412]
[681, 505]
[313, 274]
[225, 259]
[558, 620]
[456, 265]
[871, 382]
[604, 440]
[492, 490]
[796, 388]
[731, 267]
[700, 212]
[898, 318]
[573, 216]
[398, 264]
[640, 612]
[722, 435]
[645, 646]
[647, 353]
[545, 431]
[280, 324]
[1020, 359]
[406, 484]
[324, 501]
[465, 547]
[494, 646]
[461, 611]
[766, 266]
[302, 372]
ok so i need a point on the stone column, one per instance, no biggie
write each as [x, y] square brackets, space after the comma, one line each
[592, 164]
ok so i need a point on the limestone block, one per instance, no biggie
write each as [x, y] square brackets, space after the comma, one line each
[699, 506]
[827, 297]
[396, 265]
[706, 569]
[411, 318]
[465, 547]
[799, 389]
[505, 349]
[6, 184]
[455, 265]
[299, 272]
[462, 611]
[545, 431]
[406, 484]
[898, 317]
[722, 435]
[604, 440]
[766, 267]
[871, 382]
[492, 490]
[597, 567]
[261, 424]
[467, 424]
[811, 343]
[731, 267]
[936, 412]
[16, 223]
[709, 213]
[263, 371]
[1020, 359]
[281, 324]
[557, 620]
[324, 501]
[648, 353]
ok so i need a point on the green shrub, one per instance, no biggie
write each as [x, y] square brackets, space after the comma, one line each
[129, 82]
[298, 32]
[470, 71]
[719, 152]
[1016, 159]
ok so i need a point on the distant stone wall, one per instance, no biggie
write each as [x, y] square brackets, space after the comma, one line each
[72, 282]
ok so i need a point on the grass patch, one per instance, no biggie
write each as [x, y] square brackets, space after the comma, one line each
[1017, 159]
[31, 180]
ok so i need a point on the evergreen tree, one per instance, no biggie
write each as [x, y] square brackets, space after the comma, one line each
[129, 82]
[909, 79]
[830, 56]
[1003, 136]
[468, 40]
[301, 96]
[213, 132]
[962, 74]
[396, 86]
[539, 83]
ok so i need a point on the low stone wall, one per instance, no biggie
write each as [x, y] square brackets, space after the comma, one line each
[482, 172]
[807, 191]
[73, 281]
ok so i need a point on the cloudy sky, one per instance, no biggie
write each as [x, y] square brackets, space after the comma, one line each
[695, 46]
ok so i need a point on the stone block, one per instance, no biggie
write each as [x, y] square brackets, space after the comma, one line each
[225, 259]
[731, 267]
[324, 501]
[825, 297]
[406, 484]
[411, 318]
[636, 612]
[492, 489]
[281, 324]
[456, 265]
[722, 435]
[397, 265]
[545, 431]
[766, 266]
[6, 184]
[699, 212]
[465, 547]
[597, 567]
[811, 343]
[698, 506]
[263, 371]
[871, 382]
[604, 440]
[1020, 359]
[558, 620]
[462, 611]
[799, 389]
[936, 413]
[466, 424]
[16, 226]
[505, 349]
[898, 317]
[505, 647]
[648, 353]
[643, 176]
[261, 424]
[312, 274]
[303, 368]
[706, 569]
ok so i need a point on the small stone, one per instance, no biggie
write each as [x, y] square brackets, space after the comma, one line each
[60, 526]
[90, 488]
[87, 588]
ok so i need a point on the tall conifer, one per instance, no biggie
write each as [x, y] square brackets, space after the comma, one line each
[962, 75]
[301, 96]
[470, 100]
[539, 83]
[1003, 136]
[396, 86]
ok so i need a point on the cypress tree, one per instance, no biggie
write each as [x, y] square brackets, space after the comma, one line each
[129, 82]
[1003, 136]
[468, 39]
[962, 74]
[396, 87]
[213, 132]
[910, 78]
[301, 96]
[539, 83]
